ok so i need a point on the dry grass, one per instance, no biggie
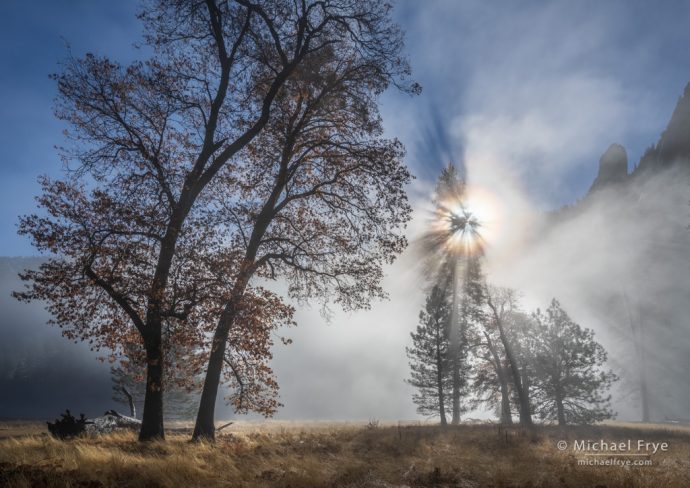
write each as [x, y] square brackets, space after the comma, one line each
[304, 455]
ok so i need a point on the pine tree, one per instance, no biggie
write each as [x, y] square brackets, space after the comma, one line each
[431, 372]
[469, 297]
[453, 249]
[569, 384]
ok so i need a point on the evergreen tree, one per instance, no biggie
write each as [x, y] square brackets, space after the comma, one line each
[429, 355]
[569, 384]
[469, 315]
[453, 249]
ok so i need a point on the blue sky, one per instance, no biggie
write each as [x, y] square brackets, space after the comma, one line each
[529, 93]
[35, 36]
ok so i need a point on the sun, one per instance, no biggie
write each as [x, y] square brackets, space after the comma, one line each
[471, 221]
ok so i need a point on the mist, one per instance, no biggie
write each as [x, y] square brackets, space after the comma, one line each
[618, 263]
[524, 101]
[42, 373]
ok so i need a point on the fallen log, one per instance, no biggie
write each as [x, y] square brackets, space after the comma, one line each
[110, 422]
[69, 426]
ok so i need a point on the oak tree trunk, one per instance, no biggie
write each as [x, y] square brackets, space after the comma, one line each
[525, 414]
[152, 418]
[506, 415]
[204, 428]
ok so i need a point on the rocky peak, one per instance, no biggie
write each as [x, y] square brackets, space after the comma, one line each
[613, 167]
[675, 140]
[673, 147]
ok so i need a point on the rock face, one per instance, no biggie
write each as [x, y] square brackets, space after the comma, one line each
[673, 147]
[674, 144]
[613, 167]
[672, 150]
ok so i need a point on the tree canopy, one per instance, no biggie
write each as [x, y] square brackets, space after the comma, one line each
[171, 159]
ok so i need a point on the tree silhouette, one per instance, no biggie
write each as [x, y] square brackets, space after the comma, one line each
[319, 197]
[502, 305]
[492, 383]
[452, 247]
[569, 384]
[429, 357]
[158, 148]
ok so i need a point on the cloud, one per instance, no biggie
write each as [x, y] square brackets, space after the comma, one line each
[540, 89]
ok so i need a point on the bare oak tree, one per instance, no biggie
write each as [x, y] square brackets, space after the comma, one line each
[492, 382]
[134, 247]
[319, 198]
[501, 303]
